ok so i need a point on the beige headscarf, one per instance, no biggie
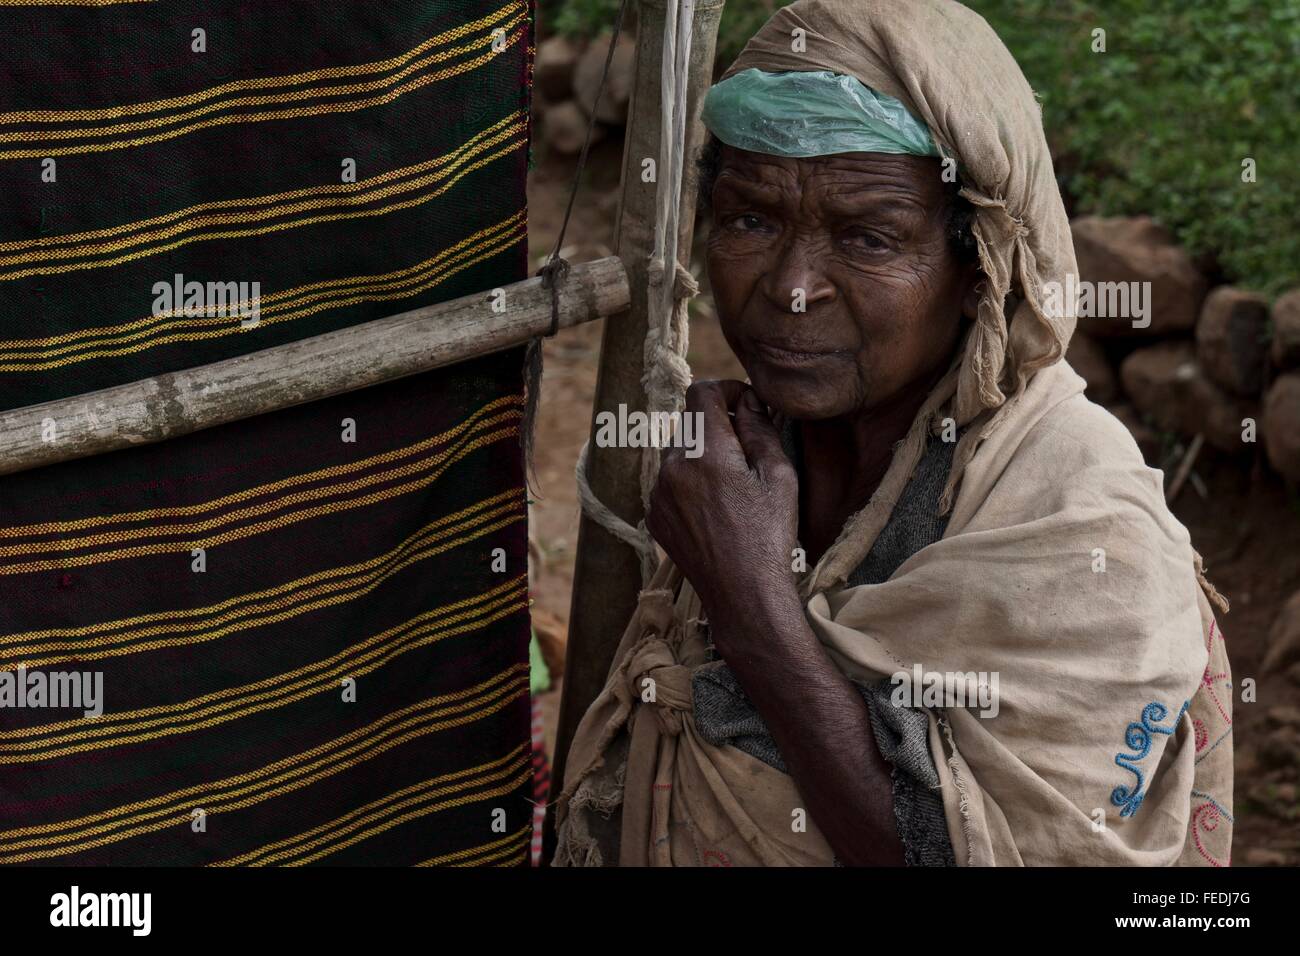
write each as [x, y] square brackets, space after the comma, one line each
[948, 67]
[1061, 568]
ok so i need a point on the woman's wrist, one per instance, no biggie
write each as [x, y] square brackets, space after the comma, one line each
[772, 596]
[763, 633]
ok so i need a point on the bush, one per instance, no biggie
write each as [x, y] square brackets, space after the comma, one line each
[1159, 123]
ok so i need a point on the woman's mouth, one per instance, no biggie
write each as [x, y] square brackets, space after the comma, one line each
[792, 356]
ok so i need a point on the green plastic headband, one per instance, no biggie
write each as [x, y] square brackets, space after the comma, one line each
[811, 114]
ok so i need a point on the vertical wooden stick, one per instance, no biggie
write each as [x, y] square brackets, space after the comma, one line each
[607, 576]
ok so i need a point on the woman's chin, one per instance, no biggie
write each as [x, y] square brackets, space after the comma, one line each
[799, 395]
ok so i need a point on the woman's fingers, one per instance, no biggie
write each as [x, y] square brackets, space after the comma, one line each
[718, 394]
[712, 401]
[760, 440]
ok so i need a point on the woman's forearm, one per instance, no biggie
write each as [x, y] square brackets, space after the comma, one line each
[818, 719]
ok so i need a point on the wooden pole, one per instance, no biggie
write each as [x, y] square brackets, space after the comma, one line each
[607, 575]
[305, 371]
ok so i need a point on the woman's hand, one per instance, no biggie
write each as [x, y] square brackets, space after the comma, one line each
[729, 518]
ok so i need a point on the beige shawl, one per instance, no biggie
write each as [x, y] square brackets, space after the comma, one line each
[1061, 569]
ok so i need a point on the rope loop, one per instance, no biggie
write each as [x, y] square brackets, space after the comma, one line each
[554, 274]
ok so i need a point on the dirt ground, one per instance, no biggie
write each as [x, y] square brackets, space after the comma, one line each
[1248, 529]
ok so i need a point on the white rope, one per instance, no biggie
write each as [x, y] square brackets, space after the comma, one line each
[638, 538]
[666, 374]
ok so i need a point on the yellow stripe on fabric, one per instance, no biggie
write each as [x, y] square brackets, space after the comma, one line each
[268, 100]
[514, 755]
[446, 460]
[75, 653]
[276, 504]
[523, 833]
[35, 349]
[227, 325]
[277, 691]
[257, 83]
[455, 448]
[356, 820]
[286, 775]
[269, 230]
[371, 654]
[403, 63]
[468, 423]
[359, 194]
[509, 851]
[254, 704]
[515, 860]
[500, 791]
[43, 242]
[356, 580]
[34, 344]
[317, 756]
[257, 491]
[262, 214]
[488, 507]
[100, 836]
[323, 109]
[204, 636]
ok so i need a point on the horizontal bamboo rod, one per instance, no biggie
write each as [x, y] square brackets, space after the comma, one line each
[178, 403]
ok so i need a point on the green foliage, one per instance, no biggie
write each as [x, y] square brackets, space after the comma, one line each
[740, 21]
[1159, 123]
[580, 18]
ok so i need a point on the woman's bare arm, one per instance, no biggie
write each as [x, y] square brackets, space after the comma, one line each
[818, 719]
[729, 519]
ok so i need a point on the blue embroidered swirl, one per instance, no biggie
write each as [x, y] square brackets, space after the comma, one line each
[1138, 738]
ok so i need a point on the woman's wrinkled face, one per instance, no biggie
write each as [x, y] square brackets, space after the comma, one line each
[834, 278]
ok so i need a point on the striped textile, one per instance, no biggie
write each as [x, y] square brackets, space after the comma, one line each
[312, 626]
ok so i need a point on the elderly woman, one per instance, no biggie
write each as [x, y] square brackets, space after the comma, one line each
[925, 602]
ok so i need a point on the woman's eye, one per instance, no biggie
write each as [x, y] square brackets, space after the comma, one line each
[870, 241]
[747, 222]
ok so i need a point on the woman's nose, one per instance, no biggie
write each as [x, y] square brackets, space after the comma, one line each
[797, 281]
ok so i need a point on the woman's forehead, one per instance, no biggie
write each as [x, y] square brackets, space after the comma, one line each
[883, 172]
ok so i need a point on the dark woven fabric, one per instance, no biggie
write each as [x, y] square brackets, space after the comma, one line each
[347, 680]
[902, 734]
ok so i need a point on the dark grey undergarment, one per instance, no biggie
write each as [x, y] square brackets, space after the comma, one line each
[724, 715]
